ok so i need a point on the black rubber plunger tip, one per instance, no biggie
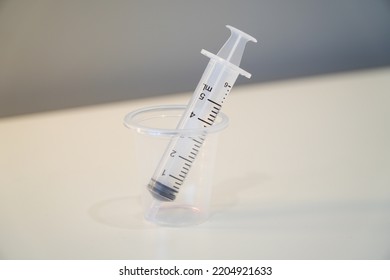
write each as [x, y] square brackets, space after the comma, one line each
[161, 192]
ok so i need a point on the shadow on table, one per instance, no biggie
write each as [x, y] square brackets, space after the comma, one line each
[276, 216]
[126, 212]
[120, 212]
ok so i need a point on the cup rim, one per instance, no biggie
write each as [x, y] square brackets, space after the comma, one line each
[130, 122]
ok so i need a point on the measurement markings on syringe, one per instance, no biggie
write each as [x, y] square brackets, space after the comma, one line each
[188, 158]
[212, 101]
[213, 115]
[206, 122]
[175, 178]
[185, 159]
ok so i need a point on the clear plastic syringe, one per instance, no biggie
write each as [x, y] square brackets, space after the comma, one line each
[202, 110]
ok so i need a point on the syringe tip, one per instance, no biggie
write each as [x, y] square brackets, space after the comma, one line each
[234, 47]
[243, 34]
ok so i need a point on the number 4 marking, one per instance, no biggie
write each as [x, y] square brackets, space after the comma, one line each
[192, 114]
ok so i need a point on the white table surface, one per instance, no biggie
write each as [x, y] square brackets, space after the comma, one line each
[303, 173]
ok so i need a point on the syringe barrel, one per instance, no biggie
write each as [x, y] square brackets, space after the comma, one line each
[207, 100]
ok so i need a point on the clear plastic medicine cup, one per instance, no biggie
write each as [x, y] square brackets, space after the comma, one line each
[153, 128]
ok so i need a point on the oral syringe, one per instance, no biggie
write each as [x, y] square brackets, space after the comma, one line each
[202, 110]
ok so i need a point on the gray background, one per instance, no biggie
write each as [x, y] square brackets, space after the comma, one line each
[62, 54]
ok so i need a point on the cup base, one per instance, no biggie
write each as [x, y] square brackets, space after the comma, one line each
[176, 216]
